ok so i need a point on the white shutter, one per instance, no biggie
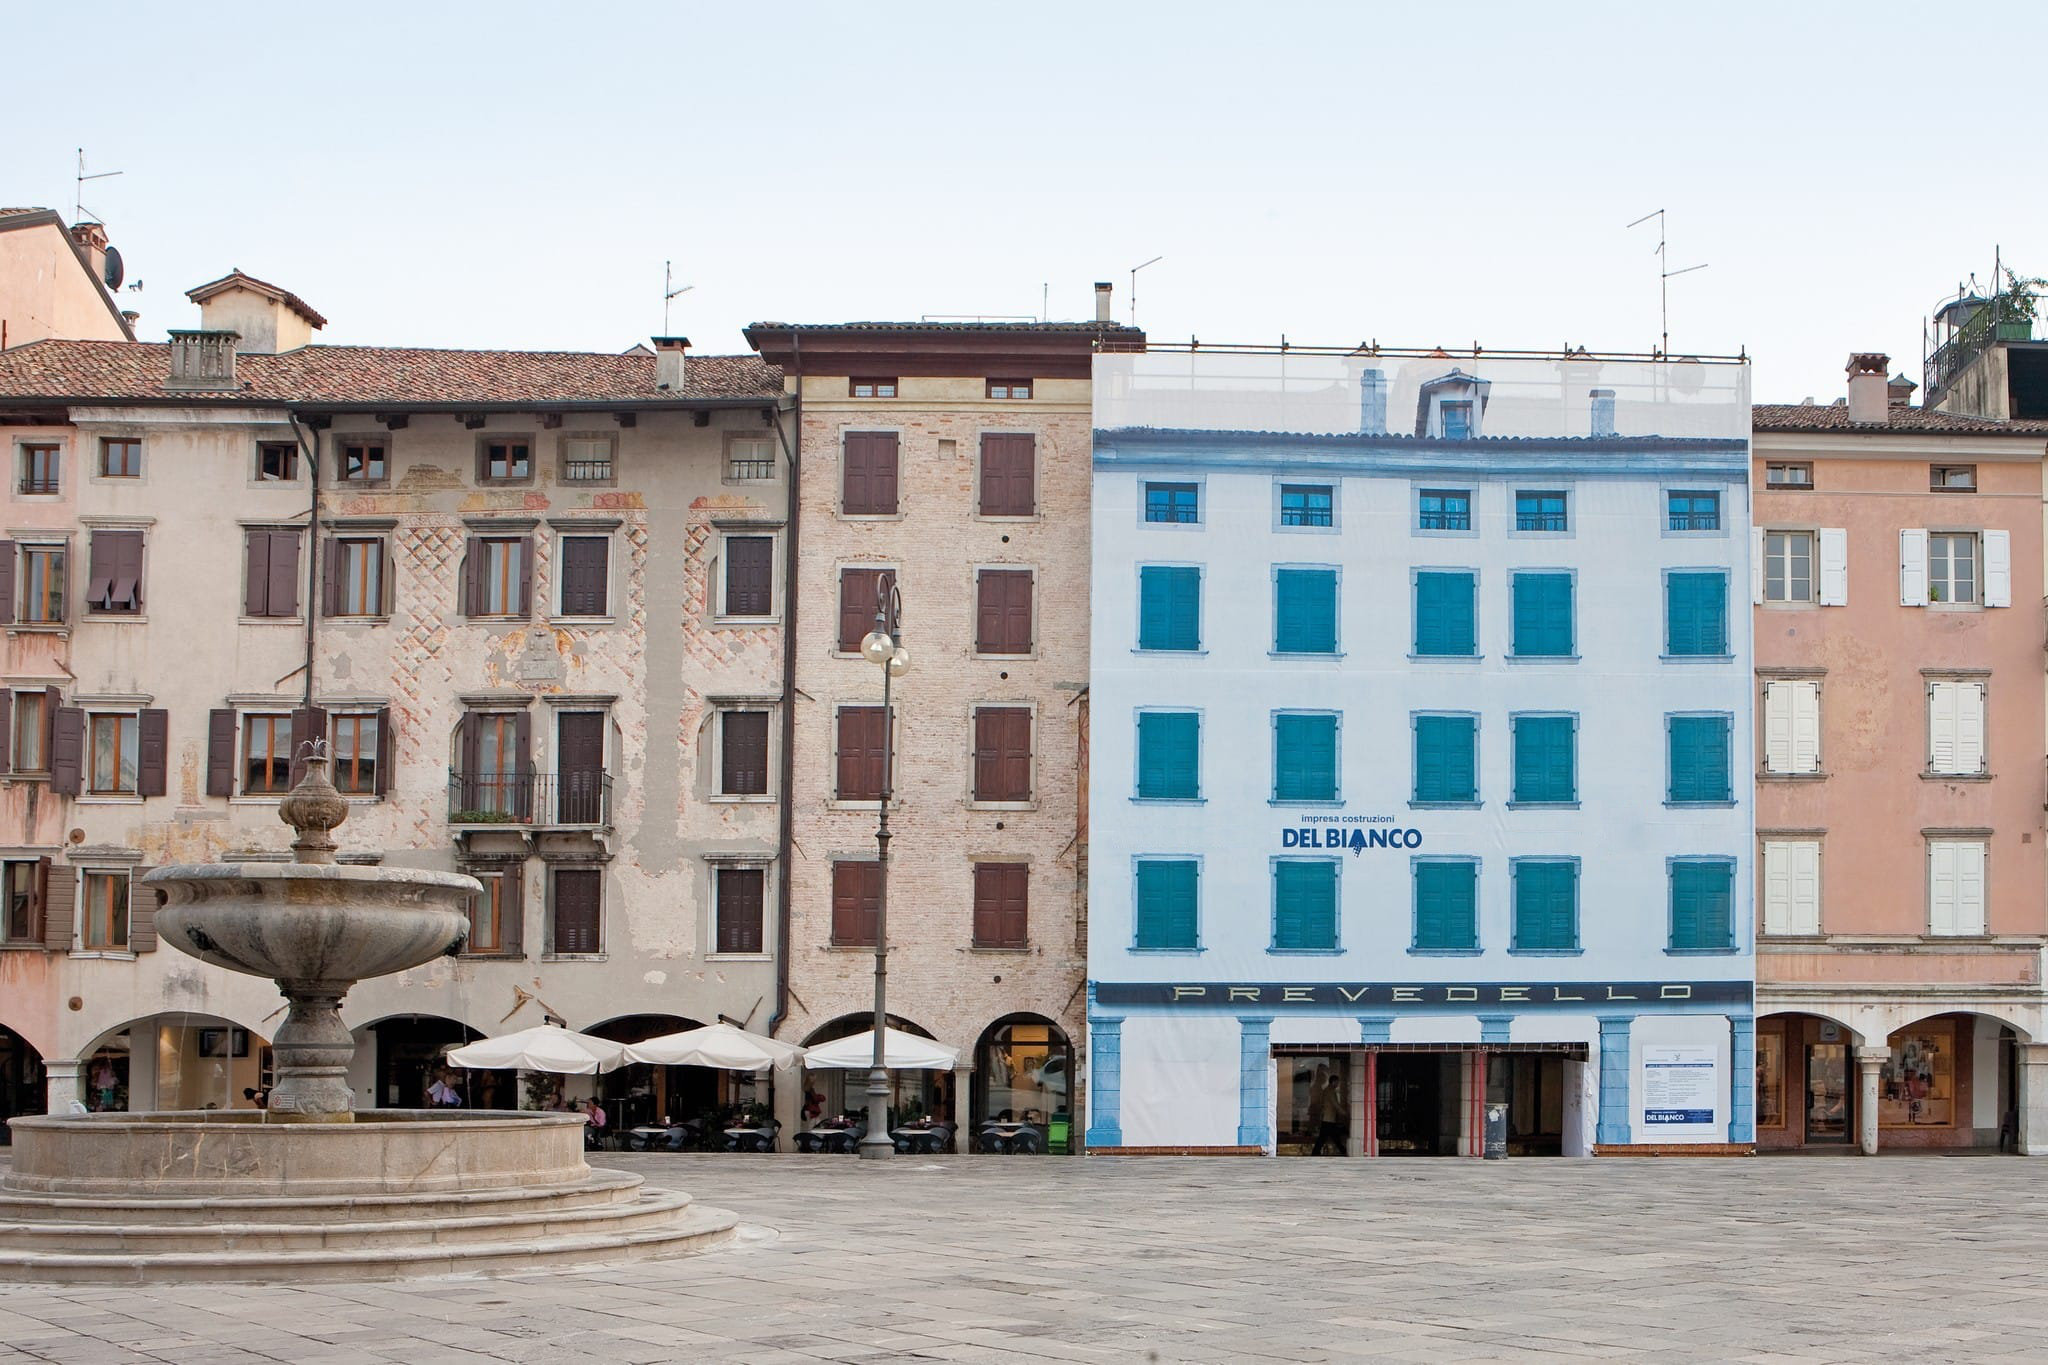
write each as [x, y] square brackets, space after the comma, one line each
[1834, 566]
[1778, 888]
[1913, 567]
[1941, 888]
[1998, 568]
[1969, 888]
[1955, 727]
[1756, 564]
[1969, 712]
[1804, 877]
[1778, 727]
[1805, 699]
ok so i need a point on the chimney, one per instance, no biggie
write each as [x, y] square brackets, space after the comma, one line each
[1869, 397]
[1603, 412]
[202, 360]
[668, 362]
[1372, 402]
[1899, 393]
[1102, 301]
[91, 238]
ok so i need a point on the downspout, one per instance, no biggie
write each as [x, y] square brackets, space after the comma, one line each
[313, 555]
[786, 839]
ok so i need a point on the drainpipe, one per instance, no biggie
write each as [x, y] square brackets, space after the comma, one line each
[787, 835]
[313, 556]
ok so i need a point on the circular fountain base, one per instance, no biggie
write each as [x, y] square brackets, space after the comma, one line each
[158, 1198]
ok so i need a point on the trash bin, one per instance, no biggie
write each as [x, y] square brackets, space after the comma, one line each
[1496, 1132]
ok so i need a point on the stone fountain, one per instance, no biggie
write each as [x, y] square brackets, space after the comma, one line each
[310, 1188]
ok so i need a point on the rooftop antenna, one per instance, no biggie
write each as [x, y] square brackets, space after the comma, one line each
[1134, 285]
[1664, 274]
[78, 196]
[669, 292]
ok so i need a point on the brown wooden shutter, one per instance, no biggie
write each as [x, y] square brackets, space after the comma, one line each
[860, 590]
[739, 909]
[308, 722]
[116, 571]
[1003, 611]
[579, 763]
[6, 730]
[67, 751]
[856, 902]
[869, 485]
[861, 740]
[743, 753]
[255, 573]
[522, 765]
[141, 914]
[60, 901]
[1002, 753]
[584, 569]
[283, 593]
[473, 577]
[525, 575]
[384, 750]
[330, 578]
[52, 700]
[153, 752]
[1000, 904]
[512, 910]
[578, 910]
[7, 563]
[749, 575]
[1008, 477]
[99, 570]
[220, 752]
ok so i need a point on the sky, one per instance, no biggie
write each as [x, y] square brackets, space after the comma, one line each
[516, 175]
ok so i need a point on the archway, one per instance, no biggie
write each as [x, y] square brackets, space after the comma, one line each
[399, 1057]
[1024, 1070]
[1806, 1083]
[642, 1094]
[912, 1094]
[1949, 1082]
[175, 1061]
[22, 1088]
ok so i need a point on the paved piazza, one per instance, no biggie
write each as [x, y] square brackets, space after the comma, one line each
[1135, 1259]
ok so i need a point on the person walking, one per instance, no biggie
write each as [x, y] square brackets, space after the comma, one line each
[1328, 1110]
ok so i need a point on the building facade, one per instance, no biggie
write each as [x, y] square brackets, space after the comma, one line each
[1420, 740]
[54, 281]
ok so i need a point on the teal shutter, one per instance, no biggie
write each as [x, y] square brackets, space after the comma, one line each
[1696, 613]
[1545, 764]
[1304, 906]
[1543, 615]
[1446, 896]
[1546, 905]
[1444, 618]
[1699, 759]
[1169, 607]
[1305, 611]
[1304, 758]
[1166, 903]
[1446, 769]
[1702, 906]
[1169, 749]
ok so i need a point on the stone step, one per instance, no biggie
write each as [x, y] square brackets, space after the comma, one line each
[601, 1188]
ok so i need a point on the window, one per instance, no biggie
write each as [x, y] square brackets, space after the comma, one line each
[1446, 762]
[1955, 886]
[42, 585]
[1002, 908]
[1169, 756]
[743, 753]
[1546, 761]
[360, 461]
[498, 576]
[586, 459]
[1444, 509]
[1788, 476]
[111, 753]
[868, 474]
[503, 459]
[1002, 753]
[277, 461]
[1305, 611]
[1009, 388]
[860, 754]
[1539, 511]
[266, 754]
[1546, 905]
[489, 912]
[41, 467]
[1543, 615]
[856, 903]
[493, 784]
[1698, 771]
[1951, 567]
[585, 575]
[24, 882]
[1002, 611]
[1692, 510]
[359, 742]
[114, 573]
[1791, 886]
[270, 577]
[103, 920]
[355, 576]
[749, 575]
[1305, 905]
[1445, 615]
[1307, 504]
[742, 895]
[579, 911]
[1446, 905]
[860, 593]
[28, 731]
[1008, 474]
[1166, 895]
[1955, 728]
[116, 752]
[120, 457]
[1702, 905]
[1791, 726]
[1456, 418]
[1178, 504]
[1788, 566]
[871, 388]
[1304, 757]
[1695, 614]
[1961, 567]
[1169, 607]
[750, 459]
[1952, 478]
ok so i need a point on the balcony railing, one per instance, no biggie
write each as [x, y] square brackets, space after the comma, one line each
[586, 471]
[581, 799]
[2002, 317]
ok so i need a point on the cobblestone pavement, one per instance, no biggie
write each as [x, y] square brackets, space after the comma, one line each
[1136, 1259]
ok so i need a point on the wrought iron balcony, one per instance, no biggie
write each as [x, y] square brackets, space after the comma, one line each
[575, 800]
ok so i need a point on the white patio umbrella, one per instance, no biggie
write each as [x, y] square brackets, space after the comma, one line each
[719, 1045]
[900, 1052]
[542, 1048]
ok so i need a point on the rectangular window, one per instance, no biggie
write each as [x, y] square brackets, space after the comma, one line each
[359, 461]
[1699, 764]
[1788, 566]
[270, 572]
[1695, 614]
[1178, 504]
[1955, 886]
[1002, 908]
[120, 457]
[871, 388]
[1692, 510]
[266, 754]
[1446, 619]
[358, 746]
[1444, 509]
[1456, 419]
[41, 468]
[1546, 905]
[23, 882]
[1304, 611]
[42, 584]
[495, 781]
[1952, 478]
[116, 751]
[861, 746]
[1305, 905]
[1169, 607]
[487, 915]
[1546, 761]
[856, 903]
[749, 575]
[868, 474]
[1951, 567]
[750, 459]
[742, 894]
[114, 573]
[356, 583]
[1009, 485]
[1446, 760]
[587, 459]
[743, 753]
[1955, 727]
[586, 574]
[1009, 388]
[1540, 510]
[860, 594]
[1307, 504]
[1543, 616]
[1788, 476]
[1446, 906]
[1702, 905]
[1791, 726]
[29, 732]
[502, 459]
[277, 461]
[103, 923]
[1002, 753]
[1169, 756]
[500, 575]
[1002, 611]
[1792, 886]
[1304, 757]
[1167, 894]
[579, 910]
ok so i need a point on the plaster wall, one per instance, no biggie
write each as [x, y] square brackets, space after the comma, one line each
[45, 292]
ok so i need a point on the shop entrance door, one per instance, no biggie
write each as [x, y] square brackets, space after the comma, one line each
[1828, 1100]
[1532, 1087]
[1412, 1091]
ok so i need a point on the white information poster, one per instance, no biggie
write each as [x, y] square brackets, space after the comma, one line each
[1680, 1084]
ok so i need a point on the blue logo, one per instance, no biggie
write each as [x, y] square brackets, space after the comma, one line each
[1357, 838]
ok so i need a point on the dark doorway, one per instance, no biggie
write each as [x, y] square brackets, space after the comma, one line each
[579, 758]
[1829, 1103]
[1532, 1087]
[22, 1087]
[1412, 1093]
[412, 1051]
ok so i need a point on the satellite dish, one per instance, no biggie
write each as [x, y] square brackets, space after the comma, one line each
[112, 270]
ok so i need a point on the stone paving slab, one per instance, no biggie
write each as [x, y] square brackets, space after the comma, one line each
[1156, 1259]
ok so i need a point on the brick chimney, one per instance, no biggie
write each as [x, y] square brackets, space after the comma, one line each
[1869, 396]
[1102, 290]
[668, 362]
[91, 238]
[202, 361]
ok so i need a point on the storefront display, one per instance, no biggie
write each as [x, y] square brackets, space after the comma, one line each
[1770, 1079]
[1917, 1084]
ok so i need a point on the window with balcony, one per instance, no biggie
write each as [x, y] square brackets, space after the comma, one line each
[1176, 504]
[1308, 504]
[750, 459]
[587, 459]
[1444, 509]
[41, 469]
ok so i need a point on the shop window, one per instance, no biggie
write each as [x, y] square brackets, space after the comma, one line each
[1916, 1086]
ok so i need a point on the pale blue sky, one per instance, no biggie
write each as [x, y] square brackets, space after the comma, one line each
[514, 175]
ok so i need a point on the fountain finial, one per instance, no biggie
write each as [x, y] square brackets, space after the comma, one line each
[313, 807]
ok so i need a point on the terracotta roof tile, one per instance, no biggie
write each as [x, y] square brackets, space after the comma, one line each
[1905, 421]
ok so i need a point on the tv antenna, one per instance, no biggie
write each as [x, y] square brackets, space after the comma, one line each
[78, 196]
[1134, 285]
[669, 292]
[1664, 274]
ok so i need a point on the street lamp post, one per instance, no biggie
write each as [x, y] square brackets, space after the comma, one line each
[884, 646]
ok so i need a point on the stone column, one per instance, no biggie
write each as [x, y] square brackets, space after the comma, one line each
[1615, 1066]
[1357, 1073]
[1105, 1081]
[1868, 1061]
[2032, 1100]
[1742, 1080]
[1254, 1080]
[788, 1089]
[1372, 1028]
[961, 1101]
[64, 1084]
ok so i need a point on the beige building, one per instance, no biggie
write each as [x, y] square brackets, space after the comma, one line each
[53, 281]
